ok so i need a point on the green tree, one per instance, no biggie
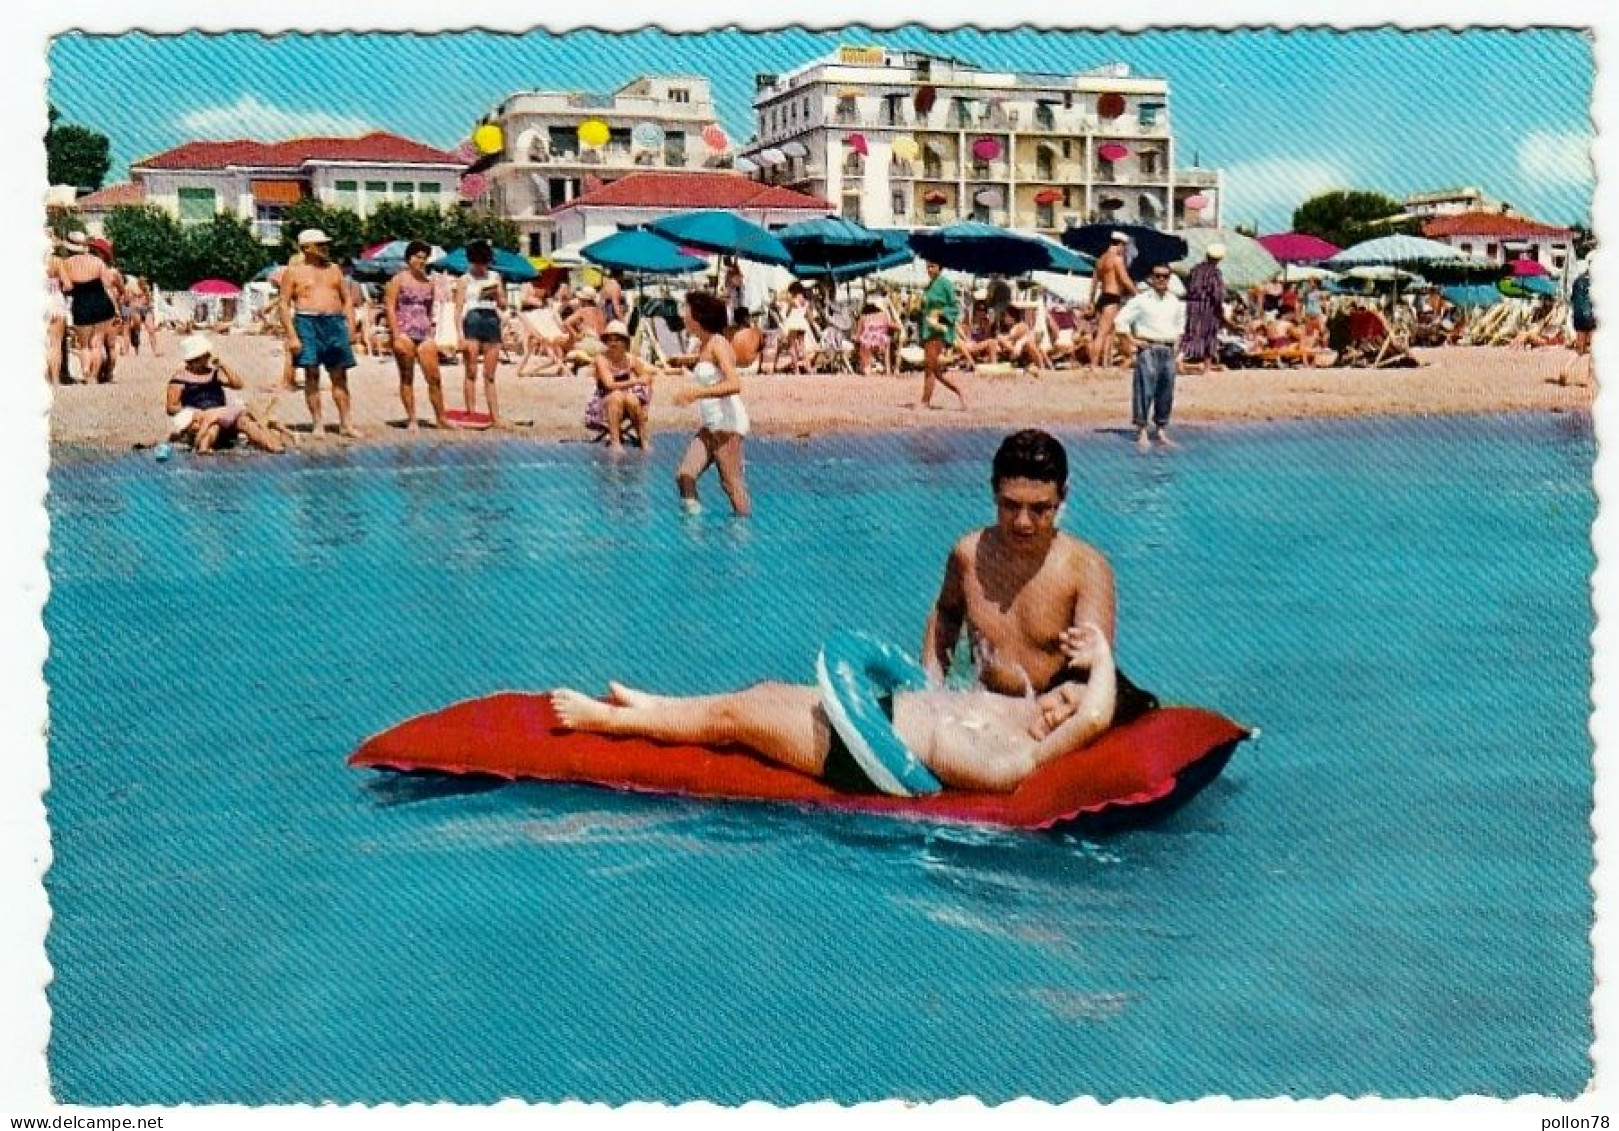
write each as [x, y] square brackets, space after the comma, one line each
[76, 156]
[463, 225]
[223, 248]
[343, 226]
[1348, 217]
[150, 243]
[394, 221]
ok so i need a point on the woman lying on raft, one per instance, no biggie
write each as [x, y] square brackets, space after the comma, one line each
[969, 739]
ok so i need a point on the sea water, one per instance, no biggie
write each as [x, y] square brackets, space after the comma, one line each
[1386, 893]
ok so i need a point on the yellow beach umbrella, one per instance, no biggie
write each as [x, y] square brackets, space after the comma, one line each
[593, 132]
[905, 148]
[488, 138]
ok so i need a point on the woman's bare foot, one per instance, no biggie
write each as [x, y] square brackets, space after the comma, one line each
[351, 432]
[578, 711]
[626, 696]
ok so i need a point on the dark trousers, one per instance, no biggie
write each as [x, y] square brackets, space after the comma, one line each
[1152, 392]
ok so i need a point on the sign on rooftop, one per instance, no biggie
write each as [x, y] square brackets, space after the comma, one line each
[858, 55]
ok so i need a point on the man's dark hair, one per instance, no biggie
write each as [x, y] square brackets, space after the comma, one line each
[1031, 454]
[707, 310]
[479, 251]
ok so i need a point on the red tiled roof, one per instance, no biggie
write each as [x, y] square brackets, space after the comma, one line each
[377, 146]
[112, 196]
[692, 190]
[1489, 224]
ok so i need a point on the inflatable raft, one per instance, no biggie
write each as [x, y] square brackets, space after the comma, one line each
[1136, 773]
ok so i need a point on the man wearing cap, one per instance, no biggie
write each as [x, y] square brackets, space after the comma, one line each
[317, 313]
[1205, 311]
[197, 405]
[1154, 321]
[1110, 286]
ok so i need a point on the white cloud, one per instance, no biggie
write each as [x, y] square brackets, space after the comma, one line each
[1555, 159]
[1269, 189]
[248, 117]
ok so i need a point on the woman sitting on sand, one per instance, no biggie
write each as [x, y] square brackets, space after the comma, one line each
[198, 408]
[971, 740]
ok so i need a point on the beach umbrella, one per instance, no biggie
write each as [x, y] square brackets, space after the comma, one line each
[1246, 263]
[725, 233]
[395, 249]
[509, 265]
[1113, 151]
[1298, 247]
[1148, 247]
[641, 252]
[829, 240]
[647, 135]
[795, 149]
[1403, 251]
[1528, 269]
[1472, 295]
[215, 288]
[905, 148]
[1532, 286]
[716, 139]
[1300, 273]
[745, 166]
[838, 273]
[983, 249]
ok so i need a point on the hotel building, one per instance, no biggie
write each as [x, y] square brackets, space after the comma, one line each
[652, 122]
[906, 139]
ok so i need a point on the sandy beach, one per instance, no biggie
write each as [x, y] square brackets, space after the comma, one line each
[1455, 380]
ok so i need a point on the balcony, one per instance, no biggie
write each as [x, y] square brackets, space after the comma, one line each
[267, 231]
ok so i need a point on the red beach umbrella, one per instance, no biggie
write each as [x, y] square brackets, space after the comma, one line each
[857, 142]
[715, 139]
[1113, 151]
[1048, 196]
[925, 97]
[935, 196]
[1110, 106]
[1528, 269]
[1298, 247]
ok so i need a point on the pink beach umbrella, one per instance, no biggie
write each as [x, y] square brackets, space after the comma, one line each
[857, 142]
[1298, 247]
[1528, 269]
[215, 288]
[473, 185]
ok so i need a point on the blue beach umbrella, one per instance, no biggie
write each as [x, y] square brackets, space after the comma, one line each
[828, 241]
[1536, 286]
[724, 233]
[1472, 295]
[842, 272]
[508, 265]
[983, 249]
[1402, 251]
[1148, 247]
[642, 253]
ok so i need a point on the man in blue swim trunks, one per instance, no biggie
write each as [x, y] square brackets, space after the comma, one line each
[1022, 588]
[317, 313]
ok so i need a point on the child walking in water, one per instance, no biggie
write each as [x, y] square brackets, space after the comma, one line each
[718, 395]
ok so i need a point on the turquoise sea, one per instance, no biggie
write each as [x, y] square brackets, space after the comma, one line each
[1386, 893]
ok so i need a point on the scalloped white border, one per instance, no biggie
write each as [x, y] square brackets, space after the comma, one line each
[24, 913]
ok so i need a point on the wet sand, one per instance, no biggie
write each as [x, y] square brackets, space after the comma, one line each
[1455, 380]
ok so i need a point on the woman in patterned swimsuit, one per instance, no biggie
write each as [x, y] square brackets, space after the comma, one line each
[408, 305]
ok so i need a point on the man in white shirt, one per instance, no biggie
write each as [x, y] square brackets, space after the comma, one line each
[1155, 321]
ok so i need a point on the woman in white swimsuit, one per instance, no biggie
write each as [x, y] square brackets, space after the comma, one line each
[718, 396]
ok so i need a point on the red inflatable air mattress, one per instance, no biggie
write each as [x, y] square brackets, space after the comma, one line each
[1135, 773]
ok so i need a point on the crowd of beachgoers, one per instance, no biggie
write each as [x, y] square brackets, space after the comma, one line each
[622, 341]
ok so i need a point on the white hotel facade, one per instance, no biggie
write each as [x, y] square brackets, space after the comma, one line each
[906, 139]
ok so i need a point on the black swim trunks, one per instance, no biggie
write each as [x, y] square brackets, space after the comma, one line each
[841, 771]
[1108, 300]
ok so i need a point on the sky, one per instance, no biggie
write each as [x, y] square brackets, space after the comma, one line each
[1285, 114]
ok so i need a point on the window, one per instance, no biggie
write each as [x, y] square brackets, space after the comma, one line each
[558, 189]
[1045, 167]
[980, 167]
[1491, 249]
[535, 245]
[197, 205]
[1147, 113]
[679, 94]
[346, 194]
[427, 194]
[564, 141]
[405, 192]
[1067, 147]
[806, 109]
[1149, 163]
[1045, 216]
[1467, 249]
[1559, 260]
[899, 205]
[674, 147]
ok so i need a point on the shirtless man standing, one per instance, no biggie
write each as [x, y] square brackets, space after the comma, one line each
[1024, 590]
[317, 312]
[1110, 286]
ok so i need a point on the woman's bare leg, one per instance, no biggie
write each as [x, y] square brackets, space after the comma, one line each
[780, 721]
[405, 358]
[491, 362]
[698, 456]
[427, 355]
[55, 330]
[728, 455]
